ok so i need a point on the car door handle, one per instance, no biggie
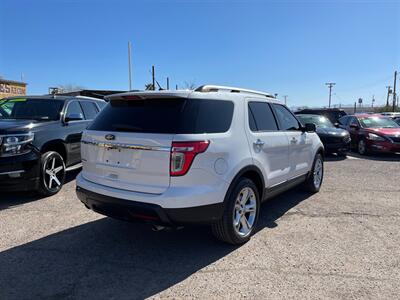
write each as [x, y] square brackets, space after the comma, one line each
[293, 141]
[259, 143]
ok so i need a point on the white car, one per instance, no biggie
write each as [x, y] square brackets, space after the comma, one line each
[208, 156]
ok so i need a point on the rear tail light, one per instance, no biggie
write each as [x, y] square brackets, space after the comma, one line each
[183, 154]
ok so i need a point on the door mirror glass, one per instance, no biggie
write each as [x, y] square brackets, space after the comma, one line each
[354, 126]
[310, 127]
[74, 117]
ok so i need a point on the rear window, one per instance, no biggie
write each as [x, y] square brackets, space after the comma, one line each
[170, 115]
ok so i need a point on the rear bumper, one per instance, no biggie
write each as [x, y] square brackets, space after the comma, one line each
[138, 211]
[20, 173]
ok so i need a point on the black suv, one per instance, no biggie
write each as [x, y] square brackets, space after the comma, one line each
[40, 140]
[333, 114]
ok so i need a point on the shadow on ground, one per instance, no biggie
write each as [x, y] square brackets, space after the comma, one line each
[10, 199]
[113, 259]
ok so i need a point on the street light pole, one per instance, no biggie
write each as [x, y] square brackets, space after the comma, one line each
[330, 85]
[129, 66]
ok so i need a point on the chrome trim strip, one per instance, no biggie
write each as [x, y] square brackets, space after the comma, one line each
[74, 167]
[12, 172]
[126, 146]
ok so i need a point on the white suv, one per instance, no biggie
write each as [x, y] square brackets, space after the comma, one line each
[207, 156]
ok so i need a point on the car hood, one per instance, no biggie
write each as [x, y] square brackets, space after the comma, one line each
[10, 126]
[385, 131]
[331, 131]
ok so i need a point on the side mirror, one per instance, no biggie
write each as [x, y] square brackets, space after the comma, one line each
[309, 127]
[73, 117]
[354, 126]
[337, 125]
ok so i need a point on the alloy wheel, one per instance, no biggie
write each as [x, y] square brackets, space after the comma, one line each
[54, 173]
[318, 172]
[245, 212]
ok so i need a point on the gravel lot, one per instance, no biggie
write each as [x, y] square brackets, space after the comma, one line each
[340, 243]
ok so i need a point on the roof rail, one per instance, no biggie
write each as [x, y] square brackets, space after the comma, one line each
[229, 89]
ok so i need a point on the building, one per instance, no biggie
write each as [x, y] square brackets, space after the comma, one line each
[12, 88]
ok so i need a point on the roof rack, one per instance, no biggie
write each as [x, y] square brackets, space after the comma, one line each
[229, 89]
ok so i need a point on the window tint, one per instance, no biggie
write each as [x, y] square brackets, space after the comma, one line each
[344, 120]
[170, 115]
[90, 109]
[285, 118]
[74, 109]
[261, 117]
[30, 108]
[353, 121]
[101, 104]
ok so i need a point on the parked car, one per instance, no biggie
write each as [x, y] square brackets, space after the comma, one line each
[208, 156]
[372, 133]
[333, 114]
[392, 115]
[335, 140]
[40, 140]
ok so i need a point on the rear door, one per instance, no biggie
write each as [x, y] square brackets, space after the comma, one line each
[269, 146]
[128, 145]
[300, 147]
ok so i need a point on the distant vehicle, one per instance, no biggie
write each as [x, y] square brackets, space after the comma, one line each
[372, 133]
[209, 156]
[40, 140]
[392, 115]
[335, 140]
[333, 114]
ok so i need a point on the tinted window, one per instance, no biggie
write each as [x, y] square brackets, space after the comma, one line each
[74, 109]
[101, 104]
[353, 121]
[30, 109]
[344, 120]
[261, 117]
[90, 109]
[286, 119]
[172, 115]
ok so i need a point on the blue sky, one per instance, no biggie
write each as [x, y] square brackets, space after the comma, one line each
[286, 47]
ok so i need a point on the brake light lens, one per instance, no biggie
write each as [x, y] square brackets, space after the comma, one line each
[183, 154]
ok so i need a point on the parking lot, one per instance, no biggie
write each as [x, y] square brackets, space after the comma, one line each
[340, 243]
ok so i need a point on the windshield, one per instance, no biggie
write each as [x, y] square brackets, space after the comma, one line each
[319, 121]
[378, 122]
[30, 109]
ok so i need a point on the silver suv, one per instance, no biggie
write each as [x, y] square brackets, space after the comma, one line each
[208, 156]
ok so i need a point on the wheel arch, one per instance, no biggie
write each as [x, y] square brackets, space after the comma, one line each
[57, 146]
[251, 172]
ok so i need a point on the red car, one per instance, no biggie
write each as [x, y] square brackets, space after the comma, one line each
[372, 133]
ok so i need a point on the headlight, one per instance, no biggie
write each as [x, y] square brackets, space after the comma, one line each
[15, 144]
[375, 137]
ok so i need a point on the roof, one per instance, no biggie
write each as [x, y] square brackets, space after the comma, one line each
[364, 115]
[50, 97]
[2, 80]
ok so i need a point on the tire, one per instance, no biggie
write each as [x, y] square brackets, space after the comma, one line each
[225, 229]
[362, 147]
[314, 180]
[52, 173]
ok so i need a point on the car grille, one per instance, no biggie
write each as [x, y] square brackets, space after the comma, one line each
[335, 139]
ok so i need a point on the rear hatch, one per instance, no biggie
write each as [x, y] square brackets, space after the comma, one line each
[128, 145]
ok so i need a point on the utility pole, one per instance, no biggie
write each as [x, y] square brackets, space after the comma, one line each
[285, 97]
[167, 83]
[330, 85]
[388, 93]
[153, 76]
[373, 100]
[394, 91]
[129, 66]
[176, 86]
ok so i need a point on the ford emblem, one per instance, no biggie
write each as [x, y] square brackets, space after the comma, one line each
[110, 137]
